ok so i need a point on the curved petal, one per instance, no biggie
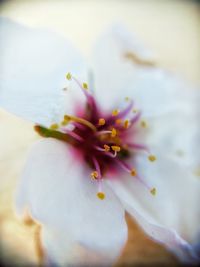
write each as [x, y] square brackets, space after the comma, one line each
[57, 188]
[124, 68]
[33, 67]
[172, 216]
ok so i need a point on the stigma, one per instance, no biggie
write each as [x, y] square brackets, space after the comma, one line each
[102, 138]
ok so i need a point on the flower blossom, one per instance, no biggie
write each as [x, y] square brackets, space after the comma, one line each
[122, 135]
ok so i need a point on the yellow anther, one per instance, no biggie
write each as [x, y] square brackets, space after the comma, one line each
[101, 195]
[143, 124]
[80, 120]
[126, 124]
[118, 121]
[133, 172]
[94, 175]
[113, 132]
[64, 122]
[106, 148]
[115, 112]
[68, 76]
[152, 158]
[85, 86]
[67, 117]
[116, 148]
[127, 98]
[54, 126]
[101, 121]
[153, 191]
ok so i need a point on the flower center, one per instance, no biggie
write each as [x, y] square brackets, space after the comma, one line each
[102, 139]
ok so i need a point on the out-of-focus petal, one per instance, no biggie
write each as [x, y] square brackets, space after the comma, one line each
[172, 215]
[177, 134]
[124, 68]
[32, 72]
[61, 249]
[57, 189]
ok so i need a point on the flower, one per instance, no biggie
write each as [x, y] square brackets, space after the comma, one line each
[93, 163]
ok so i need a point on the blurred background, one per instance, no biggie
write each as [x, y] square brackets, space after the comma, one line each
[171, 28]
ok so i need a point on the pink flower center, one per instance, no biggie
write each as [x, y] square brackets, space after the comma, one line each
[102, 139]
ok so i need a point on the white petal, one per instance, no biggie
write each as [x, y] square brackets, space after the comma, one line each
[33, 67]
[172, 216]
[177, 134]
[154, 90]
[61, 249]
[57, 188]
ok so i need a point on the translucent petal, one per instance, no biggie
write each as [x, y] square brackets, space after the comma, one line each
[177, 134]
[57, 189]
[124, 68]
[60, 249]
[33, 67]
[172, 215]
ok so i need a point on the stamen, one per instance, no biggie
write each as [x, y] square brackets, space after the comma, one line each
[143, 124]
[85, 86]
[94, 175]
[133, 172]
[115, 112]
[113, 132]
[45, 132]
[138, 146]
[127, 98]
[124, 112]
[106, 148]
[68, 76]
[103, 132]
[64, 123]
[116, 148]
[54, 126]
[106, 151]
[153, 191]
[74, 135]
[126, 124]
[124, 166]
[152, 158]
[101, 195]
[97, 167]
[101, 122]
[80, 120]
[135, 118]
[118, 121]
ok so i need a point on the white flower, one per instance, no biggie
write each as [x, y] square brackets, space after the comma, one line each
[95, 139]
